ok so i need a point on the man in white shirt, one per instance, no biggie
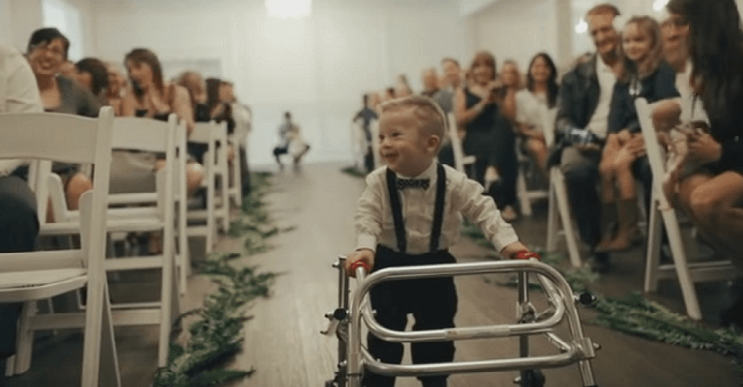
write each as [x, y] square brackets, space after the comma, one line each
[18, 220]
[582, 122]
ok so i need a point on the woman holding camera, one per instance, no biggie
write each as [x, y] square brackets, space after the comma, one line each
[487, 133]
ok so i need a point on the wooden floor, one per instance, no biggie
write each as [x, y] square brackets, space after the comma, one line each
[283, 343]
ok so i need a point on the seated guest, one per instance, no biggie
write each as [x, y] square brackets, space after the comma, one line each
[430, 83]
[194, 83]
[116, 88]
[402, 87]
[488, 134]
[582, 123]
[47, 51]
[451, 82]
[149, 96]
[536, 106]
[713, 197]
[92, 75]
[243, 126]
[19, 224]
[644, 74]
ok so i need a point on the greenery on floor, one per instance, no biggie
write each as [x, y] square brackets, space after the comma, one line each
[353, 171]
[216, 333]
[636, 315]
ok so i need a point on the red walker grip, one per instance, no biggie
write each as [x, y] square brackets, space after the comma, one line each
[358, 264]
[527, 255]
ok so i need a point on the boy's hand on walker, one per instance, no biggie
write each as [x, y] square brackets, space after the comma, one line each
[365, 256]
[517, 250]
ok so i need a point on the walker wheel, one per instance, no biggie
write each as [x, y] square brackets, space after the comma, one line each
[533, 378]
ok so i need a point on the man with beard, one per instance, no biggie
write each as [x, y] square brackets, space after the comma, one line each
[582, 124]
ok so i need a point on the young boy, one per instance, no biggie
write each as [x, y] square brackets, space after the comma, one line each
[409, 214]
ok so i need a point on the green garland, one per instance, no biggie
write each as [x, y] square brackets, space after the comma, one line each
[216, 334]
[636, 315]
[353, 171]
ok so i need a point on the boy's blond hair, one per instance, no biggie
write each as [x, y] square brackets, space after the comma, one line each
[431, 118]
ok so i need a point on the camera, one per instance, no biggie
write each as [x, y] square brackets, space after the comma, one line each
[577, 136]
[499, 92]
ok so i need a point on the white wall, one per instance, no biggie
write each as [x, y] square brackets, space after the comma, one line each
[316, 67]
[19, 18]
[516, 29]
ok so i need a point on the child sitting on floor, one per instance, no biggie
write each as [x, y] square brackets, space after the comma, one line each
[410, 214]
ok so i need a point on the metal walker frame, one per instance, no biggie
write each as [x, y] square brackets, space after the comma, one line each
[346, 320]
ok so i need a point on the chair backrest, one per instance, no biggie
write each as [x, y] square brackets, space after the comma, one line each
[70, 139]
[143, 134]
[456, 143]
[652, 147]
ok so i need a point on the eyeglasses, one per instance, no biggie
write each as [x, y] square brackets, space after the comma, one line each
[53, 50]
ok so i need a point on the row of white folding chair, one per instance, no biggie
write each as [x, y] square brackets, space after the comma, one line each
[34, 276]
[153, 212]
[663, 214]
[559, 218]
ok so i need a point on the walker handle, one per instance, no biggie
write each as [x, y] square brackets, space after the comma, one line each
[361, 268]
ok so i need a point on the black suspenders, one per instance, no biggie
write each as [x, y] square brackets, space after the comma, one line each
[438, 215]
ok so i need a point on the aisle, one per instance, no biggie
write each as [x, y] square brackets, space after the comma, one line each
[283, 341]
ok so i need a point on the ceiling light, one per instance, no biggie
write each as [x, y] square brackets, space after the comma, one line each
[581, 27]
[289, 9]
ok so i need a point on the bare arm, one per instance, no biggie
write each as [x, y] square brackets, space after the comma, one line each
[462, 114]
[508, 105]
[182, 107]
[128, 104]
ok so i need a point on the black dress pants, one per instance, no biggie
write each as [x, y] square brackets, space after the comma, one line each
[431, 301]
[19, 227]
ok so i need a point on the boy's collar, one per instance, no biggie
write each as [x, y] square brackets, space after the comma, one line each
[429, 172]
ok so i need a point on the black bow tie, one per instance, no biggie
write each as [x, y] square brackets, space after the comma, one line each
[413, 183]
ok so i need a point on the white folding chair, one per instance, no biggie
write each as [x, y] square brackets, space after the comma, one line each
[221, 171]
[235, 191]
[204, 133]
[559, 214]
[34, 276]
[139, 134]
[460, 159]
[661, 211]
[183, 255]
[524, 194]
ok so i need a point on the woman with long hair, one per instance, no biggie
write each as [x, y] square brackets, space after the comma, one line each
[149, 96]
[536, 106]
[713, 200]
[488, 134]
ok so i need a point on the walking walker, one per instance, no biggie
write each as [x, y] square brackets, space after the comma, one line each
[353, 359]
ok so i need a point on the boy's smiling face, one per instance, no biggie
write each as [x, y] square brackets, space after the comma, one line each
[403, 145]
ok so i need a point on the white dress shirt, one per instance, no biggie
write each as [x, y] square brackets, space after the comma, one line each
[375, 225]
[18, 92]
[599, 123]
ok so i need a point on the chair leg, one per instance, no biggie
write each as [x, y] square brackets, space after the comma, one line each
[567, 225]
[183, 250]
[10, 366]
[682, 266]
[110, 375]
[552, 218]
[97, 313]
[522, 193]
[25, 338]
[166, 299]
[652, 260]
